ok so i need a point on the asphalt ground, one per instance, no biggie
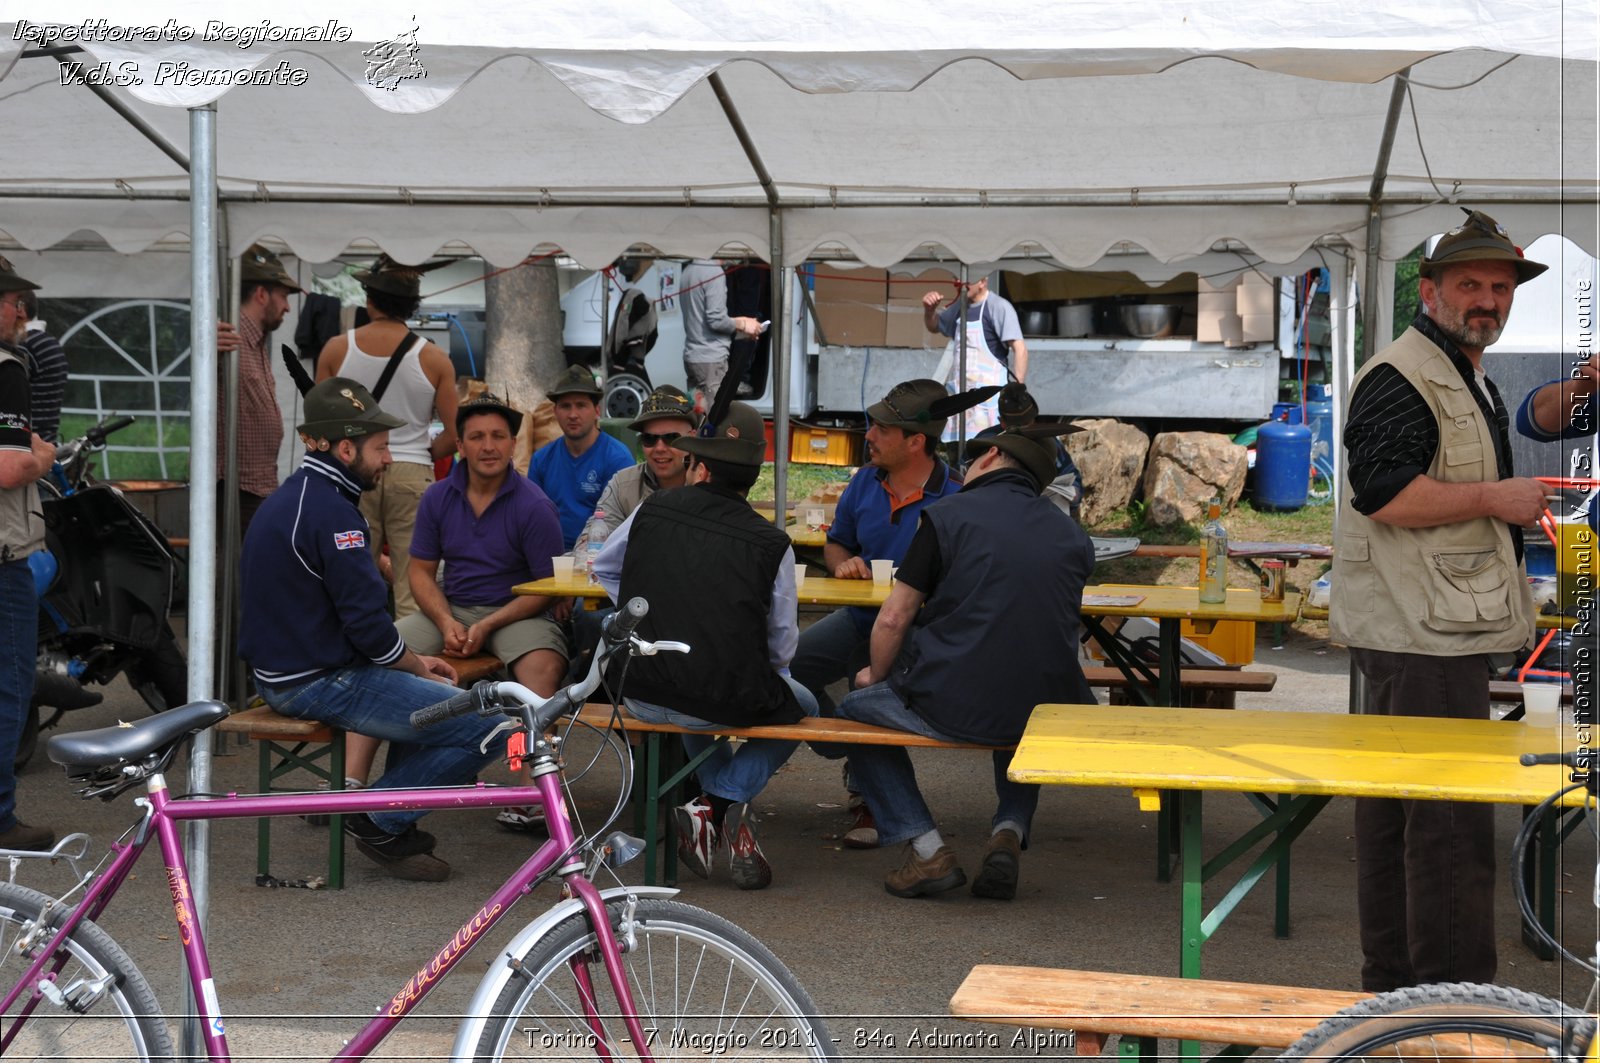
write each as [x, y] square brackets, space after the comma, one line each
[298, 970]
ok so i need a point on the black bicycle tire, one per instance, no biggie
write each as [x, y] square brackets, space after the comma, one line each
[673, 920]
[130, 994]
[1504, 1016]
[161, 676]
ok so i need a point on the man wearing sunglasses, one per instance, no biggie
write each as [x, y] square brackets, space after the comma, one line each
[665, 416]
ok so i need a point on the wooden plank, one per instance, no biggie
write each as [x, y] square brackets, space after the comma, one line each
[810, 729]
[1268, 1016]
[1192, 679]
[261, 722]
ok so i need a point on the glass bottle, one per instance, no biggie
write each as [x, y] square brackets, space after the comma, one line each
[1214, 556]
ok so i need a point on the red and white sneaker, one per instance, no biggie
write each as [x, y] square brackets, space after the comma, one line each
[746, 862]
[697, 836]
[863, 832]
[526, 818]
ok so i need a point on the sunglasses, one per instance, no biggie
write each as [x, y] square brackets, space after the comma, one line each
[650, 439]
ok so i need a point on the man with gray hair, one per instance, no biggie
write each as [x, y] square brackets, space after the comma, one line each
[1428, 586]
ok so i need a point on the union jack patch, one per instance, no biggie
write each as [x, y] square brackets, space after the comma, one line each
[350, 540]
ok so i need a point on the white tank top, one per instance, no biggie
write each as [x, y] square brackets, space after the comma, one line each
[410, 395]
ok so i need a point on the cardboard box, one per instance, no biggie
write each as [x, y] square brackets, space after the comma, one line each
[1216, 312]
[1257, 296]
[853, 324]
[863, 285]
[906, 328]
[907, 287]
[1257, 328]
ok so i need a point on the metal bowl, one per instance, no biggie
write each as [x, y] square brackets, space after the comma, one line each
[1151, 321]
[1075, 319]
[1038, 323]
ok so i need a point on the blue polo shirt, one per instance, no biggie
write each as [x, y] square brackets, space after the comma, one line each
[574, 484]
[485, 556]
[867, 522]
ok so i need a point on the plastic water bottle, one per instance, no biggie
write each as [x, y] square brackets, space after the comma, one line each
[597, 539]
[1214, 556]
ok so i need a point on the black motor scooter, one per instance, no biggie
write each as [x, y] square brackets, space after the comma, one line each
[106, 581]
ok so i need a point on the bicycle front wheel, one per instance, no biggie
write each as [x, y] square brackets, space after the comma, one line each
[1449, 1021]
[98, 1007]
[702, 987]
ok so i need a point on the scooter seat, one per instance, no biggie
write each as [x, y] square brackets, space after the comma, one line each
[130, 743]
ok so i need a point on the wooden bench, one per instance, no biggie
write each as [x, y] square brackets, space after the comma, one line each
[1079, 1010]
[1198, 687]
[286, 745]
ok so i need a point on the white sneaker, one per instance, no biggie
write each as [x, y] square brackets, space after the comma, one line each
[697, 836]
[527, 818]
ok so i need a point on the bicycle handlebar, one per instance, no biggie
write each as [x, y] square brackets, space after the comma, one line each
[97, 434]
[488, 697]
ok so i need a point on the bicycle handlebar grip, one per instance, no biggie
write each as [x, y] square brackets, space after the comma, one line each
[459, 705]
[98, 433]
[1529, 760]
[624, 620]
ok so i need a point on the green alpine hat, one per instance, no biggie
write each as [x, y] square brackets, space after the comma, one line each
[577, 380]
[489, 402]
[906, 407]
[1480, 238]
[10, 282]
[741, 438]
[340, 408]
[263, 267]
[665, 401]
[387, 275]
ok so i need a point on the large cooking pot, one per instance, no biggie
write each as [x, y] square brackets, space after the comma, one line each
[1151, 321]
[1037, 323]
[1075, 319]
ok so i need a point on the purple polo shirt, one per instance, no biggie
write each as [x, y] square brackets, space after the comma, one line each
[484, 557]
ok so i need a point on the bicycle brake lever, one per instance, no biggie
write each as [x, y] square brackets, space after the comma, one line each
[650, 649]
[499, 728]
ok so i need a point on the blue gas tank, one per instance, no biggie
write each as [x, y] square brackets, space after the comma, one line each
[1283, 465]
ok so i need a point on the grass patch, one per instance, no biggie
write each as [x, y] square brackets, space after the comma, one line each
[803, 479]
[120, 463]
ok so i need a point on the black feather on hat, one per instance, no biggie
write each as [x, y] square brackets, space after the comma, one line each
[387, 275]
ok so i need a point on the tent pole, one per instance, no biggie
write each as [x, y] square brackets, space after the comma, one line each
[202, 499]
[782, 358]
[1380, 176]
[961, 366]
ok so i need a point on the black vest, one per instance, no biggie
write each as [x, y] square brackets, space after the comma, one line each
[999, 633]
[705, 561]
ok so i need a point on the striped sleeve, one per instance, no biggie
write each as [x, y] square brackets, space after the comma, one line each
[1390, 440]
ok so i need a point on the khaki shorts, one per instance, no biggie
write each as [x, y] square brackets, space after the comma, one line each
[508, 643]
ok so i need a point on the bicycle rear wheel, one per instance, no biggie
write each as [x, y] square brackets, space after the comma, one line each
[108, 1010]
[1451, 1021]
[702, 987]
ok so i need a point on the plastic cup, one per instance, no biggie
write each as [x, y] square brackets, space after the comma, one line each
[562, 566]
[799, 573]
[882, 570]
[1541, 704]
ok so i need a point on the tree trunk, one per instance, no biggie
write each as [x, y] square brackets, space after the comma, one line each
[522, 332]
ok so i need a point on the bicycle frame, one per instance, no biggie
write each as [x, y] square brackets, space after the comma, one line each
[163, 813]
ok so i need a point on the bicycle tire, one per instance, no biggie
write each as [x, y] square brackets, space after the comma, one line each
[702, 986]
[1450, 1020]
[124, 1023]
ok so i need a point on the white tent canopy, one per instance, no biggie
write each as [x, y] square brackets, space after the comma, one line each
[1062, 129]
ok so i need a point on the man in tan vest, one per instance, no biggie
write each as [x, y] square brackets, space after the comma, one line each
[1428, 585]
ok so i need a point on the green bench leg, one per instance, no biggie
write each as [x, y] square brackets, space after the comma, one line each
[325, 763]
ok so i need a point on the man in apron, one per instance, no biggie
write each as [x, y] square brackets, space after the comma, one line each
[993, 333]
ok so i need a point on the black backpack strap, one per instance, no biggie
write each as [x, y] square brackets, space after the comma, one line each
[395, 359]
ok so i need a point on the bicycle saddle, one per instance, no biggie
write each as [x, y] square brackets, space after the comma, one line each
[107, 746]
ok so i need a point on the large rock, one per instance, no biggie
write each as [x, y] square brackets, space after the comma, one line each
[1110, 457]
[1186, 470]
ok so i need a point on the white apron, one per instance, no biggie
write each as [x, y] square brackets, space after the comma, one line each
[983, 369]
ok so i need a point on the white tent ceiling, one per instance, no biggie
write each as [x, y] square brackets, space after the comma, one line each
[1063, 129]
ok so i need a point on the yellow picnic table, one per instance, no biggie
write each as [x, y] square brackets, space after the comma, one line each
[1306, 759]
[1167, 605]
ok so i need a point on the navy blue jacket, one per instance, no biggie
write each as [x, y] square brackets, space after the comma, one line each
[313, 599]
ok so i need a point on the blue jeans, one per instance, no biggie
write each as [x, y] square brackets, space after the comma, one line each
[889, 782]
[736, 774]
[834, 648]
[19, 645]
[377, 701]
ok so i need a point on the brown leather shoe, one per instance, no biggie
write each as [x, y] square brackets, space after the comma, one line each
[923, 878]
[31, 839]
[1002, 862]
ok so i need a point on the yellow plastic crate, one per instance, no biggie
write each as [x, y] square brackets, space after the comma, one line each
[1232, 640]
[824, 446]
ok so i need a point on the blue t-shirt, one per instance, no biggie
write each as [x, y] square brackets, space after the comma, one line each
[574, 484]
[864, 524]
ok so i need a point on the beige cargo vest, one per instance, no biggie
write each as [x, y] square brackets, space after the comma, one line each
[21, 519]
[1449, 591]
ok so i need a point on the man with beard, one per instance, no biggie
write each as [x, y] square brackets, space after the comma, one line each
[264, 290]
[317, 631]
[1428, 584]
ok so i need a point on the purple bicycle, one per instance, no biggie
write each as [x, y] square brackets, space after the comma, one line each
[618, 973]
